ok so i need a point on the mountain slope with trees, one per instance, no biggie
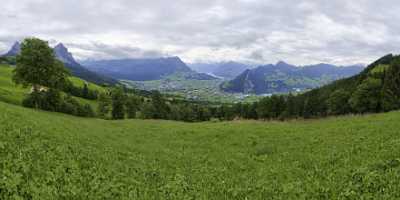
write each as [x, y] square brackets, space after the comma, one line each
[374, 90]
[284, 78]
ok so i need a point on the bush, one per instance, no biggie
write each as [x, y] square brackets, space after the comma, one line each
[52, 101]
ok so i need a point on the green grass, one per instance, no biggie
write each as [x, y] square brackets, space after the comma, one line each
[55, 156]
[11, 93]
[80, 83]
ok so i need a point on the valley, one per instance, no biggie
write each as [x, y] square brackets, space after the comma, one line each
[198, 90]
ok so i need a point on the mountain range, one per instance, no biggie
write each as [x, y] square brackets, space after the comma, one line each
[144, 69]
[62, 54]
[226, 70]
[283, 77]
[235, 77]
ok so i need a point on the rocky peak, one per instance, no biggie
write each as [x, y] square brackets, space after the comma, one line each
[64, 55]
[15, 50]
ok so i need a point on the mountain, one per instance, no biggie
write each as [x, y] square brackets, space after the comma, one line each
[78, 70]
[283, 77]
[227, 70]
[62, 54]
[14, 51]
[374, 90]
[143, 69]
[207, 68]
[230, 69]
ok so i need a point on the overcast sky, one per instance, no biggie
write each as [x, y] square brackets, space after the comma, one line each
[260, 31]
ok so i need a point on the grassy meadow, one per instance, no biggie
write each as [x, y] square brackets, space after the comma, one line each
[55, 156]
[13, 94]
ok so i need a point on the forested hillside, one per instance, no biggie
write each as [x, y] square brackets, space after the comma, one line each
[284, 78]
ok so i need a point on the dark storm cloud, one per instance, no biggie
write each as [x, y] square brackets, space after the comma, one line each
[262, 31]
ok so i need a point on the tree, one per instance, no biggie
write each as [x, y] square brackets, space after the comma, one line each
[37, 66]
[338, 102]
[366, 98]
[69, 105]
[264, 108]
[85, 91]
[52, 100]
[104, 106]
[148, 111]
[132, 106]
[160, 106]
[85, 111]
[251, 111]
[291, 110]
[391, 87]
[271, 107]
[118, 104]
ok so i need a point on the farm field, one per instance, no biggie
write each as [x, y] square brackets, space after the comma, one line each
[54, 156]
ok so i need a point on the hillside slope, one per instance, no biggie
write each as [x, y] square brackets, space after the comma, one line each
[55, 156]
[11, 93]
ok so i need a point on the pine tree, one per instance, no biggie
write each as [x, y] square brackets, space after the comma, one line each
[391, 87]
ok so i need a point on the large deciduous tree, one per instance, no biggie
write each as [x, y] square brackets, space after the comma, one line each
[38, 66]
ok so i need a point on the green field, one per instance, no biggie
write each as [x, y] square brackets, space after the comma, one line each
[55, 156]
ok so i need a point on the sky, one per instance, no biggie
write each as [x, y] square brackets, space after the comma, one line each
[254, 31]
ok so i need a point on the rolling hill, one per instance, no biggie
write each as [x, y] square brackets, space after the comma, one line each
[13, 94]
[56, 156]
[283, 78]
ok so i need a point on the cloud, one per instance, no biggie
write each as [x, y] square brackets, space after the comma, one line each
[98, 50]
[300, 32]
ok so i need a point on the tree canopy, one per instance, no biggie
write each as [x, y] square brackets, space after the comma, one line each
[38, 66]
